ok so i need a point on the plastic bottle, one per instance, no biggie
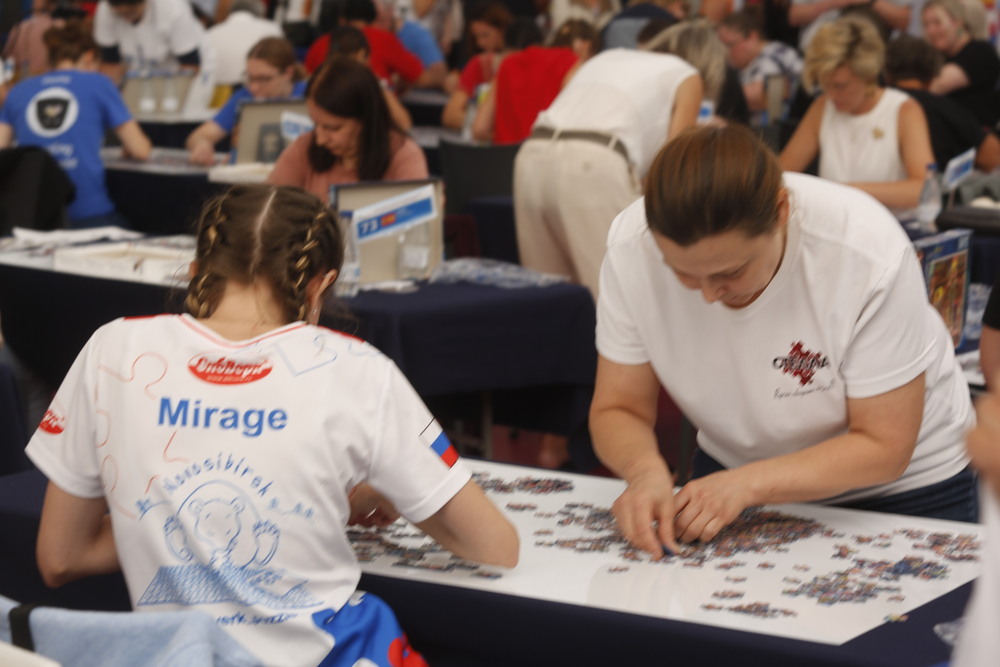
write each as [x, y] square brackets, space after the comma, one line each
[930, 201]
[350, 271]
[415, 251]
[705, 112]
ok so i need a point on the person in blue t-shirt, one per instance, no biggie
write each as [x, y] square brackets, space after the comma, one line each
[272, 74]
[67, 112]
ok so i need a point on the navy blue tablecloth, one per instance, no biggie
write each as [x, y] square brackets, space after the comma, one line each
[531, 349]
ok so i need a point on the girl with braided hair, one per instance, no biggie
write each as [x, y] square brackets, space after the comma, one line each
[217, 456]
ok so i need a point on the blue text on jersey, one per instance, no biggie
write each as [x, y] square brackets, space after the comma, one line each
[191, 413]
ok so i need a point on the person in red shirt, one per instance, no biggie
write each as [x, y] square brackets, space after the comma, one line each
[487, 24]
[529, 78]
[389, 60]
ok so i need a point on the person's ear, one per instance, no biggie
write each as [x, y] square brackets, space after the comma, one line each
[784, 208]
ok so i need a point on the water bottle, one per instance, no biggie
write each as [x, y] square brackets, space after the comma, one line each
[415, 251]
[705, 112]
[930, 201]
[350, 271]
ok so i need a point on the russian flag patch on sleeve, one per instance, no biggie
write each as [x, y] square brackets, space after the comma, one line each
[443, 447]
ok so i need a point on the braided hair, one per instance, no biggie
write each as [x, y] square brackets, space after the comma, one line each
[282, 235]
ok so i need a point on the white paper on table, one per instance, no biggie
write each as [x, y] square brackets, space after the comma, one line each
[24, 238]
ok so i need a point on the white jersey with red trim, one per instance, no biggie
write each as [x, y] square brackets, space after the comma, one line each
[226, 467]
[845, 316]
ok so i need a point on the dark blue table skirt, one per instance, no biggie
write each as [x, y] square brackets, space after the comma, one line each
[531, 349]
[495, 224]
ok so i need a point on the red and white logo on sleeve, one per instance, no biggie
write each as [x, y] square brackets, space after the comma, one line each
[217, 369]
[53, 422]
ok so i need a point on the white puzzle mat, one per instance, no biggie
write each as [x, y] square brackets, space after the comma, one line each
[805, 572]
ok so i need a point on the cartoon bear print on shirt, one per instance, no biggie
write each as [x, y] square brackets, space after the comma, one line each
[219, 523]
[225, 548]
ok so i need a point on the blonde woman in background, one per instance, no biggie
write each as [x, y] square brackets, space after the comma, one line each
[868, 136]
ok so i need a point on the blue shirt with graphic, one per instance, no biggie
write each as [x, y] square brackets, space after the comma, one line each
[229, 113]
[67, 112]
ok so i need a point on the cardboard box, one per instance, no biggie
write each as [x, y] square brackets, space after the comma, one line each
[944, 258]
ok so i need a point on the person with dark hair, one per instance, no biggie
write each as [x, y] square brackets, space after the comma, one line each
[389, 60]
[487, 23]
[67, 112]
[272, 73]
[757, 59]
[622, 31]
[348, 41]
[787, 317]
[354, 138]
[528, 80]
[224, 478]
[911, 64]
[579, 35]
[138, 34]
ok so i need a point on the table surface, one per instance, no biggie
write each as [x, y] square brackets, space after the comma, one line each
[521, 617]
[799, 585]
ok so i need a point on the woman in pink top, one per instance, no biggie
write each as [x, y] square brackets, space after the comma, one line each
[354, 138]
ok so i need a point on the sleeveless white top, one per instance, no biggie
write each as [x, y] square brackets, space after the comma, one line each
[862, 148]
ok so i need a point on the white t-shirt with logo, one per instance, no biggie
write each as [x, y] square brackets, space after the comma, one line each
[227, 465]
[845, 316]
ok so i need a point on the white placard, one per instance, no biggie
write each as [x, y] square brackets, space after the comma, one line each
[395, 214]
[958, 169]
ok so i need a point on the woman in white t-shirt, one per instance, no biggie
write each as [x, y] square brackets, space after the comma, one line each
[217, 457]
[788, 319]
[869, 136]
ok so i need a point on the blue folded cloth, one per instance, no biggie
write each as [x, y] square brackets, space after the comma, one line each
[110, 639]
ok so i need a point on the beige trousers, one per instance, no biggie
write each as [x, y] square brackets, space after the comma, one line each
[566, 194]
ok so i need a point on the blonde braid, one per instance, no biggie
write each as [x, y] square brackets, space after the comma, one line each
[198, 301]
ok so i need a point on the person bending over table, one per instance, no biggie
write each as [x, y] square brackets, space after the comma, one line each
[787, 317]
[872, 137]
[599, 136]
[217, 457]
[67, 112]
[354, 138]
[136, 34]
[272, 74]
